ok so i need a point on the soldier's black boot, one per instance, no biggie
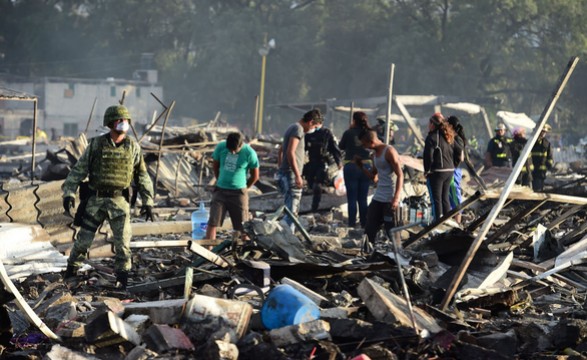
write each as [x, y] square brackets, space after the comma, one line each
[70, 272]
[121, 279]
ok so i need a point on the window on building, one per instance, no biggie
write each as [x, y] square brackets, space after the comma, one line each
[70, 129]
[70, 91]
[113, 91]
[26, 127]
[138, 91]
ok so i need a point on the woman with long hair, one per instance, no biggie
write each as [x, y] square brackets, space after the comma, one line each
[439, 163]
[356, 181]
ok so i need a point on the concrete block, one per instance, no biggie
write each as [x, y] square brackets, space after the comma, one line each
[61, 312]
[209, 290]
[139, 322]
[59, 352]
[108, 329]
[141, 353]
[162, 338]
[325, 243]
[308, 331]
[71, 329]
[334, 313]
[221, 350]
[104, 305]
[160, 312]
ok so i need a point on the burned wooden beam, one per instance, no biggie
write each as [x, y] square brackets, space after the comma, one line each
[514, 221]
[573, 210]
[527, 194]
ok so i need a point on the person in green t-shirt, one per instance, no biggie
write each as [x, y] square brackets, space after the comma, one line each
[232, 159]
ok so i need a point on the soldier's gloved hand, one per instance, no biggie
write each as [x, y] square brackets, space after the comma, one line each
[148, 211]
[68, 204]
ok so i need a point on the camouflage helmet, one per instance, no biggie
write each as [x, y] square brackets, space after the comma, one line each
[114, 113]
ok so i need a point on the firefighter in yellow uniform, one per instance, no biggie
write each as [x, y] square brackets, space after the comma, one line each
[110, 163]
[498, 150]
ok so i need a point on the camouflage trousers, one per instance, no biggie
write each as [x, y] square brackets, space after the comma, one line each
[117, 211]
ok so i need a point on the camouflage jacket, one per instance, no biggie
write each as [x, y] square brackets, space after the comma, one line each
[87, 167]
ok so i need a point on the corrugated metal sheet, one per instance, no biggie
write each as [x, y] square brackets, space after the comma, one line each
[9, 94]
[177, 175]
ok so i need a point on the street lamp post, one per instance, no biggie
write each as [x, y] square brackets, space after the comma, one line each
[263, 51]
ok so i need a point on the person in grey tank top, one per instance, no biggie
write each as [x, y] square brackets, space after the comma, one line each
[388, 175]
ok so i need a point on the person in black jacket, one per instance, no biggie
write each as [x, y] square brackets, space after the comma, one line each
[456, 190]
[518, 144]
[323, 153]
[542, 159]
[356, 181]
[498, 150]
[439, 163]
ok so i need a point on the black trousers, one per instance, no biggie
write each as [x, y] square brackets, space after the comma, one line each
[379, 213]
[439, 188]
[315, 174]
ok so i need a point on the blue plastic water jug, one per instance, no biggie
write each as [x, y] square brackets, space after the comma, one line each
[287, 306]
[199, 222]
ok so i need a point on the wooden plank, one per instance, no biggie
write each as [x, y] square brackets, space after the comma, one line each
[413, 126]
[509, 185]
[209, 255]
[527, 194]
[182, 242]
[160, 227]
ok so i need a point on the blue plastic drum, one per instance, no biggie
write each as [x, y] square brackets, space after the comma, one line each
[286, 306]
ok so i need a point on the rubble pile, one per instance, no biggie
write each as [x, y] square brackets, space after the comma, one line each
[181, 304]
[314, 294]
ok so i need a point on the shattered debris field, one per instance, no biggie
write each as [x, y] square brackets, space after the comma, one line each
[316, 293]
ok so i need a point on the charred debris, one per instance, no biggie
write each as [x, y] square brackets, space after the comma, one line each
[523, 295]
[508, 282]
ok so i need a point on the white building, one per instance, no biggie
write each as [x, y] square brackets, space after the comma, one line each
[65, 104]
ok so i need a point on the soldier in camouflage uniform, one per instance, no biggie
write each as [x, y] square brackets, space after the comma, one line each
[110, 162]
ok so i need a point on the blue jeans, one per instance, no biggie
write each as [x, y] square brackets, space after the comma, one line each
[292, 195]
[357, 189]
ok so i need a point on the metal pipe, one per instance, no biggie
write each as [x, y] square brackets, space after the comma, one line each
[389, 101]
[297, 224]
[34, 140]
[90, 117]
[160, 145]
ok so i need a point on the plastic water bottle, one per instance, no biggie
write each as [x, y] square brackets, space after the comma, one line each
[199, 222]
